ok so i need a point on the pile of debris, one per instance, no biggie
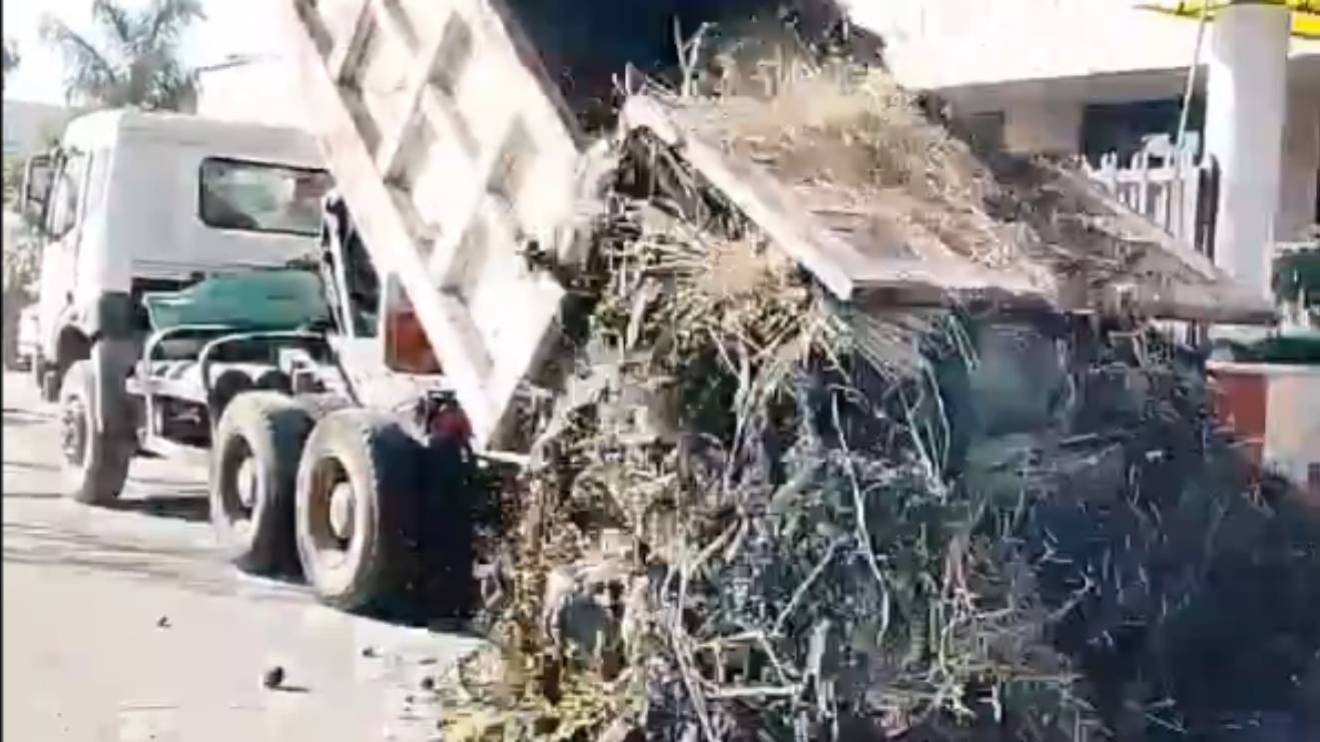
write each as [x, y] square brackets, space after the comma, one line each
[757, 511]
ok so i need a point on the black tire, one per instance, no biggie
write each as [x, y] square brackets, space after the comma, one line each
[254, 468]
[318, 405]
[228, 386]
[362, 465]
[444, 584]
[95, 465]
[51, 382]
[36, 371]
[276, 381]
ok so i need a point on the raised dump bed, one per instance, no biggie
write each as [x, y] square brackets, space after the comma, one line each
[458, 163]
[465, 168]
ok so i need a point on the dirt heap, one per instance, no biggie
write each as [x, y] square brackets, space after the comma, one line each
[753, 512]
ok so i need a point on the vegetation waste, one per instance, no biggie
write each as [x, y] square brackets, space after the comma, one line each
[754, 512]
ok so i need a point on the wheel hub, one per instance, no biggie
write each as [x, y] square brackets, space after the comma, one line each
[341, 511]
[246, 482]
[73, 433]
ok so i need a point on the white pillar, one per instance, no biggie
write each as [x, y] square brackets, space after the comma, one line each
[1245, 116]
[1301, 160]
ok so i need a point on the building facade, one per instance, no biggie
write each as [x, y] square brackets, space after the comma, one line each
[1086, 77]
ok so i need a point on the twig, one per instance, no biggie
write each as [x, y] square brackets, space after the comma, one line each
[712, 547]
[678, 641]
[920, 445]
[688, 52]
[947, 434]
[863, 531]
[689, 681]
[1073, 601]
[802, 589]
[760, 691]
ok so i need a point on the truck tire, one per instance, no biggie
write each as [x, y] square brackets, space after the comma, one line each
[318, 405]
[254, 468]
[37, 371]
[356, 481]
[50, 384]
[226, 388]
[95, 463]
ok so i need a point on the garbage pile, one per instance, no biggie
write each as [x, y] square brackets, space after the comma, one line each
[755, 512]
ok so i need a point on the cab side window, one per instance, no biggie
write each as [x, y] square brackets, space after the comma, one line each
[67, 195]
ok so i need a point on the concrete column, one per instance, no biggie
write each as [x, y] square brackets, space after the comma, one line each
[1245, 116]
[1301, 160]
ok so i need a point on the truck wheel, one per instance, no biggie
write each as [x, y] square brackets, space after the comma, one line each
[37, 371]
[50, 383]
[95, 464]
[254, 466]
[355, 481]
[322, 404]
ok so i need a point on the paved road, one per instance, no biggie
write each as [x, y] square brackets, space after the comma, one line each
[124, 625]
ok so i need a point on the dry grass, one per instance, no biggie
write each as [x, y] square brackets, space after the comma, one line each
[800, 550]
[857, 145]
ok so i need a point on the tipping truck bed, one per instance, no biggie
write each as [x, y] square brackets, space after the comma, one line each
[455, 161]
[458, 158]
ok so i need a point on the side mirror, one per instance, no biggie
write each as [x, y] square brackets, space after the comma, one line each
[38, 181]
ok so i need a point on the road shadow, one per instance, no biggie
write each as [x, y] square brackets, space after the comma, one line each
[32, 495]
[189, 567]
[34, 466]
[190, 508]
[15, 417]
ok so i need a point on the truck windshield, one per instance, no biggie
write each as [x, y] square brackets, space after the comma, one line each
[261, 197]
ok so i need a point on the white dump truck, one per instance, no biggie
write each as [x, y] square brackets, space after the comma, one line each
[130, 205]
[343, 401]
[188, 260]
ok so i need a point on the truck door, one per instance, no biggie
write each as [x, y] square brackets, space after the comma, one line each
[63, 230]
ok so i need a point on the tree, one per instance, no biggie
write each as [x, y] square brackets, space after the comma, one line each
[21, 261]
[137, 63]
[11, 58]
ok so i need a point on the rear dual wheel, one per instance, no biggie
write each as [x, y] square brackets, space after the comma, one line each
[342, 493]
[356, 483]
[254, 464]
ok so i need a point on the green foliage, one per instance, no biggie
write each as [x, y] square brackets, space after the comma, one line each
[21, 246]
[137, 60]
[11, 56]
[13, 181]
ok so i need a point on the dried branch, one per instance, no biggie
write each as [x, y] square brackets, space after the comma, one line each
[804, 586]
[863, 530]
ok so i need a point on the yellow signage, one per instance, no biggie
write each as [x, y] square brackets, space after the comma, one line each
[1305, 17]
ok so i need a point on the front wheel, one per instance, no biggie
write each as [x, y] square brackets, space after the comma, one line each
[95, 462]
[355, 482]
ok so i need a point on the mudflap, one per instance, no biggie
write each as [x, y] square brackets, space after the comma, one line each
[445, 583]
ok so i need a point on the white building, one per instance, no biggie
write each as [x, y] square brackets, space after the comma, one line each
[1091, 76]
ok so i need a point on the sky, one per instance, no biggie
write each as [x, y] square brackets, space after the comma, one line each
[231, 27]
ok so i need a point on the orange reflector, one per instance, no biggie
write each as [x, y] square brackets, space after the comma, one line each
[407, 349]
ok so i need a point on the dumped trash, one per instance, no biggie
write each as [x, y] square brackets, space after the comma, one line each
[757, 511]
[838, 432]
[273, 677]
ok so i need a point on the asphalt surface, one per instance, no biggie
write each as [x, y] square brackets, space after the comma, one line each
[124, 624]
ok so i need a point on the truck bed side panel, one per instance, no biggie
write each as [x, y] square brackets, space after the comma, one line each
[455, 159]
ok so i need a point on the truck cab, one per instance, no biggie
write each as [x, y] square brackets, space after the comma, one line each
[133, 202]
